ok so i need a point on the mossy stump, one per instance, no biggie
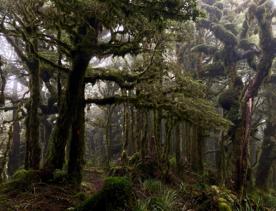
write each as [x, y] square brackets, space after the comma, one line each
[116, 195]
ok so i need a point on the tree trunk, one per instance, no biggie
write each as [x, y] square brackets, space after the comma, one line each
[267, 157]
[33, 151]
[70, 106]
[14, 154]
[77, 144]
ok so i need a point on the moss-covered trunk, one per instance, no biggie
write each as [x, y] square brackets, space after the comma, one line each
[69, 112]
[14, 153]
[77, 143]
[267, 157]
[33, 151]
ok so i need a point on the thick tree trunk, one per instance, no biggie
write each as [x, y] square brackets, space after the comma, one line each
[178, 150]
[14, 154]
[68, 112]
[196, 158]
[33, 151]
[77, 144]
[267, 157]
[246, 110]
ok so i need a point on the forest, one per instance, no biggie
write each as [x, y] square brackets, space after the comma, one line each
[137, 105]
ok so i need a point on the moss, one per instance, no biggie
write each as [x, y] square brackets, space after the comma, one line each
[172, 162]
[215, 13]
[116, 195]
[21, 173]
[223, 206]
[224, 35]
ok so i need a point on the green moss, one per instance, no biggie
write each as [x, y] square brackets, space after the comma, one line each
[172, 162]
[21, 174]
[116, 195]
[223, 206]
[215, 13]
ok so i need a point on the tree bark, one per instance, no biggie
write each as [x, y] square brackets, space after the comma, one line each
[267, 157]
[68, 112]
[33, 151]
[77, 144]
[14, 154]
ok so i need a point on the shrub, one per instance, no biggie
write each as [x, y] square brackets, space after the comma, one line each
[116, 195]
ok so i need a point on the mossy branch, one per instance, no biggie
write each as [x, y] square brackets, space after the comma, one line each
[206, 49]
[126, 80]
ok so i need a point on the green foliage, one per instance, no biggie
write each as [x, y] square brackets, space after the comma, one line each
[165, 201]
[262, 199]
[20, 174]
[153, 186]
[116, 195]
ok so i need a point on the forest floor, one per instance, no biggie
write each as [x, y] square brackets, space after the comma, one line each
[151, 194]
[49, 197]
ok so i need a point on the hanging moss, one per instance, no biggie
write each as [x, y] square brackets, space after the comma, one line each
[116, 195]
[206, 49]
[214, 13]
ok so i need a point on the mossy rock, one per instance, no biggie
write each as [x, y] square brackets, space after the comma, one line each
[223, 205]
[116, 195]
